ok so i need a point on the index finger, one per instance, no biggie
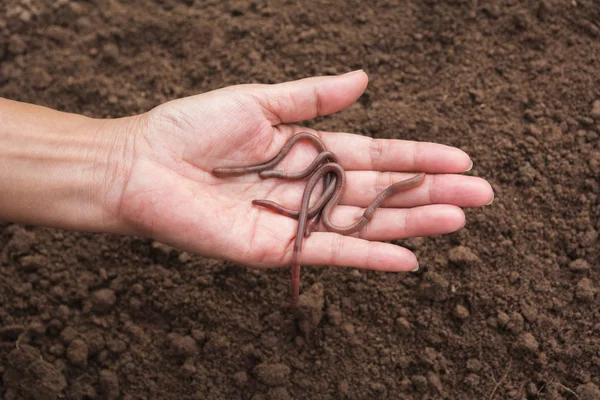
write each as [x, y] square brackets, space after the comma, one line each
[357, 152]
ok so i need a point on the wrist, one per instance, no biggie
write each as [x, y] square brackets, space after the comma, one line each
[115, 143]
[63, 170]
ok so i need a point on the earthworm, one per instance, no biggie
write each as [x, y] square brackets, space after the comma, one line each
[233, 171]
[266, 171]
[302, 220]
[329, 186]
[332, 202]
[334, 182]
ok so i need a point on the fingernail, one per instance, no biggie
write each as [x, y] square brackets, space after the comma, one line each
[353, 72]
[470, 167]
[416, 268]
[492, 200]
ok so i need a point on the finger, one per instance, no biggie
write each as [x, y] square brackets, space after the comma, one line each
[362, 187]
[393, 224]
[324, 248]
[356, 152]
[460, 190]
[308, 98]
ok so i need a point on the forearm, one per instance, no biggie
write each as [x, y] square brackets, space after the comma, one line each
[61, 170]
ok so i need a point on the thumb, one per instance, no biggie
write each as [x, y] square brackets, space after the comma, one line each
[309, 98]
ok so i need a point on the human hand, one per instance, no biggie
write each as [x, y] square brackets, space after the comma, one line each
[169, 193]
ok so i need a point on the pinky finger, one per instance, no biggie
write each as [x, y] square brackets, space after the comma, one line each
[325, 248]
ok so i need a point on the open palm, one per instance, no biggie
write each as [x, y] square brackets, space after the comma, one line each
[172, 196]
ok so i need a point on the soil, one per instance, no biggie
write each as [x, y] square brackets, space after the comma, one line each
[506, 308]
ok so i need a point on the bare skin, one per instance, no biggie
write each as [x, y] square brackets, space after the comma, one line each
[151, 175]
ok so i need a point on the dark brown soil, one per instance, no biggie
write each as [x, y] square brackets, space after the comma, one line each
[507, 308]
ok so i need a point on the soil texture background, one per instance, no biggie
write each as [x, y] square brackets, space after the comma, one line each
[506, 308]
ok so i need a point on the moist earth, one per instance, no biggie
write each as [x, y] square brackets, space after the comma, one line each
[506, 308]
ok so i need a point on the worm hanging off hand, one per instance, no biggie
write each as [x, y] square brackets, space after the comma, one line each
[334, 181]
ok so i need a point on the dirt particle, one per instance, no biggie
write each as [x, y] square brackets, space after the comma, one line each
[348, 329]
[81, 390]
[240, 378]
[404, 327]
[17, 45]
[435, 382]
[110, 53]
[579, 265]
[109, 384]
[216, 344]
[502, 319]
[419, 382]
[334, 314]
[95, 342]
[462, 255]
[585, 290]
[188, 369]
[117, 346]
[344, 387]
[199, 336]
[310, 308]
[434, 286]
[595, 113]
[516, 323]
[11, 332]
[32, 263]
[182, 346]
[473, 365]
[103, 300]
[32, 375]
[40, 78]
[589, 391]
[77, 353]
[473, 380]
[36, 328]
[278, 393]
[273, 374]
[461, 312]
[68, 335]
[526, 342]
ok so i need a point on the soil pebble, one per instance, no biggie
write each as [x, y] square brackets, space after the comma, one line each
[585, 290]
[278, 393]
[526, 342]
[419, 382]
[77, 353]
[110, 52]
[32, 263]
[68, 335]
[516, 323]
[404, 327]
[334, 314]
[17, 45]
[579, 265]
[183, 346]
[309, 311]
[11, 332]
[81, 390]
[434, 286]
[589, 391]
[33, 376]
[462, 255]
[240, 378]
[461, 312]
[595, 113]
[109, 384]
[103, 300]
[273, 374]
[473, 365]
